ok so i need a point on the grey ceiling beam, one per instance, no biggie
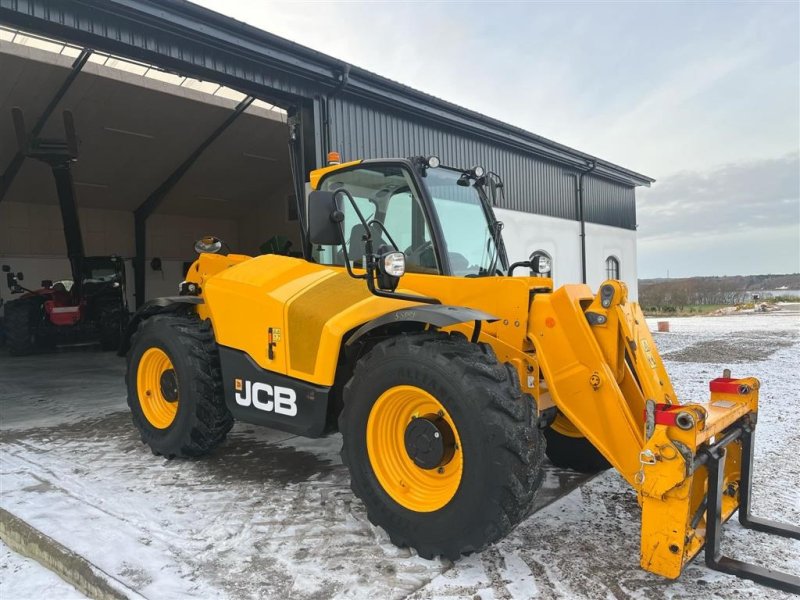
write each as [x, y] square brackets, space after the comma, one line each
[154, 200]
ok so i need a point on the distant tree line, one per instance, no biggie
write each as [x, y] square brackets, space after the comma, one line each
[664, 295]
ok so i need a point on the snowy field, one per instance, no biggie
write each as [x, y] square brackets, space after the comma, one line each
[271, 515]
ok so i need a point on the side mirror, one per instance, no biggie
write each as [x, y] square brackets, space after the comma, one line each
[6, 269]
[47, 283]
[20, 276]
[324, 219]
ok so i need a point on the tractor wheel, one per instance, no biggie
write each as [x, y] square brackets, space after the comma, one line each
[441, 444]
[175, 386]
[112, 325]
[568, 449]
[21, 318]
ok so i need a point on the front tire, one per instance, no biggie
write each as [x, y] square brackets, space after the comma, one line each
[175, 386]
[21, 318]
[481, 483]
[572, 451]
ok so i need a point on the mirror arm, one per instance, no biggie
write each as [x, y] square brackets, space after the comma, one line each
[386, 231]
[354, 205]
[346, 257]
[516, 265]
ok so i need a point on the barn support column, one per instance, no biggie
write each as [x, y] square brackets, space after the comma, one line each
[154, 200]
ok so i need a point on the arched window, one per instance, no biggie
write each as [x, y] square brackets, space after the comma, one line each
[612, 267]
[543, 254]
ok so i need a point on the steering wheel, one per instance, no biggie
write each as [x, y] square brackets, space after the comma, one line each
[422, 255]
[419, 249]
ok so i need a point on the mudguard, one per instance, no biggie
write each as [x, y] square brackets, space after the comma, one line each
[154, 307]
[438, 315]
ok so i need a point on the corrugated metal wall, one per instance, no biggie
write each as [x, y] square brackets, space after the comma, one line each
[362, 130]
[609, 203]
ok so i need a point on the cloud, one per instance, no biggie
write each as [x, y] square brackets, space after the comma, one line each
[735, 219]
[739, 197]
[742, 252]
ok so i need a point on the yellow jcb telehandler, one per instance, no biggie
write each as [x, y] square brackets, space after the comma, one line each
[448, 376]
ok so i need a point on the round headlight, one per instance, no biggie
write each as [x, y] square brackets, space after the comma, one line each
[434, 162]
[208, 244]
[541, 264]
[394, 264]
[479, 171]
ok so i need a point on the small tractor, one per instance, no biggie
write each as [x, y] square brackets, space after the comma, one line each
[91, 305]
[449, 378]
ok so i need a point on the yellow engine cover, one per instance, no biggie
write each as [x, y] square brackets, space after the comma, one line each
[310, 308]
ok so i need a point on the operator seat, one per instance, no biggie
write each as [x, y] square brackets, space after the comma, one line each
[356, 248]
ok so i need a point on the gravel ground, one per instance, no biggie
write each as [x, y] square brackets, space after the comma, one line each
[271, 515]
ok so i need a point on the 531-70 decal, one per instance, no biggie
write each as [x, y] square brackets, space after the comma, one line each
[278, 399]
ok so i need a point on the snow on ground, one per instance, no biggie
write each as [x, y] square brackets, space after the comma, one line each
[271, 515]
[22, 578]
[268, 514]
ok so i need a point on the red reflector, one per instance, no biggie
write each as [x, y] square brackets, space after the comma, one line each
[724, 385]
[665, 414]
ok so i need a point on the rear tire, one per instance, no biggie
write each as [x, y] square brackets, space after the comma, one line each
[200, 420]
[21, 318]
[576, 453]
[495, 429]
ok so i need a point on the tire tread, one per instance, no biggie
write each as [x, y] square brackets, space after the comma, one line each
[211, 420]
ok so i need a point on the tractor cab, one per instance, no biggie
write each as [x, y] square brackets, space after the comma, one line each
[391, 217]
[440, 218]
[102, 277]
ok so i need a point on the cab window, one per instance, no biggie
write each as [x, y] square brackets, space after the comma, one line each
[385, 195]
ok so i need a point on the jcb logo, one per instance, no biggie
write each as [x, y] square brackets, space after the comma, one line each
[277, 399]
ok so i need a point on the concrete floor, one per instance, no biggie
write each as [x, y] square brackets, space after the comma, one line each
[187, 526]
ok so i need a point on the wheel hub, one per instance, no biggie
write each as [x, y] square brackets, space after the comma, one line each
[429, 441]
[169, 385]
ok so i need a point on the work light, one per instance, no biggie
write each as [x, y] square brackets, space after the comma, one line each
[541, 264]
[394, 264]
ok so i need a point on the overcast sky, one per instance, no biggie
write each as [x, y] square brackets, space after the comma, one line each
[704, 97]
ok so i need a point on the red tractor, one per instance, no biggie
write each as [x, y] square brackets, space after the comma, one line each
[91, 306]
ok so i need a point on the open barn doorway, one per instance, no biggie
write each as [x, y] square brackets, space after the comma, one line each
[182, 157]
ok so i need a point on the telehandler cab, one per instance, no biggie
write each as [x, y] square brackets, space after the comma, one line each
[445, 374]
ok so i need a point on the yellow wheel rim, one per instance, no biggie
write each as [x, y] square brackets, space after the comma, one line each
[157, 408]
[415, 488]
